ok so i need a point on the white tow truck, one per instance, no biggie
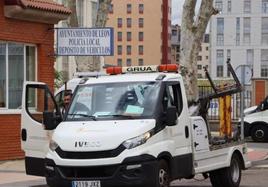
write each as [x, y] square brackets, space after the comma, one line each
[131, 128]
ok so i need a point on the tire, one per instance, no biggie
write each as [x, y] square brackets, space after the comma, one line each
[227, 177]
[163, 174]
[51, 183]
[259, 133]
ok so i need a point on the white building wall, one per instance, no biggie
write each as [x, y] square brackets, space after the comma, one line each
[238, 53]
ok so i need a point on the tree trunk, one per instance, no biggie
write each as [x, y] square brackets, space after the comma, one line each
[192, 32]
[86, 63]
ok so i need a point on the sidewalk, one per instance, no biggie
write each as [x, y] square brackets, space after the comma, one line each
[14, 171]
[257, 155]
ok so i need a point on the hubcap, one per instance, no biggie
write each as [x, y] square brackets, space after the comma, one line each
[163, 178]
[259, 133]
[235, 171]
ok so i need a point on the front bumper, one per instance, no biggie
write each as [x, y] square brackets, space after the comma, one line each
[134, 171]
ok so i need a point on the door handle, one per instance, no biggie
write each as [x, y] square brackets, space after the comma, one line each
[186, 132]
[23, 134]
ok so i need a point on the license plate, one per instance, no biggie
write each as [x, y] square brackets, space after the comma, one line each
[86, 184]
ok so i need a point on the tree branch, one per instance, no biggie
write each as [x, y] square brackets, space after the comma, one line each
[103, 11]
[188, 13]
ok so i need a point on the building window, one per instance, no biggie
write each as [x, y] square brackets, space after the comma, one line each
[199, 58]
[141, 8]
[128, 62]
[119, 22]
[264, 31]
[250, 58]
[174, 32]
[220, 62]
[129, 7]
[119, 36]
[129, 22]
[129, 50]
[229, 56]
[218, 5]
[199, 67]
[219, 70]
[206, 57]
[206, 48]
[119, 62]
[119, 50]
[264, 63]
[17, 64]
[220, 31]
[111, 8]
[247, 31]
[199, 76]
[141, 35]
[140, 50]
[229, 8]
[237, 31]
[247, 6]
[141, 63]
[264, 6]
[177, 57]
[141, 22]
[129, 36]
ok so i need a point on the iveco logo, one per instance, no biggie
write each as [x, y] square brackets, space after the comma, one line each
[87, 144]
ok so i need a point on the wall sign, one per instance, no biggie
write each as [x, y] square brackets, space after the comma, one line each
[85, 41]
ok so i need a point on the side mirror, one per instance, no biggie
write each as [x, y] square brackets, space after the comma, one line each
[51, 121]
[171, 116]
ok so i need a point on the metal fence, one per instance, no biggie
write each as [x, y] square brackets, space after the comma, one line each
[213, 112]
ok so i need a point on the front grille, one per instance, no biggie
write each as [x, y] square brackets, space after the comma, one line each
[88, 172]
[90, 155]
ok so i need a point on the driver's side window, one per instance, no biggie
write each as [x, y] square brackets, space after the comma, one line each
[38, 101]
[172, 97]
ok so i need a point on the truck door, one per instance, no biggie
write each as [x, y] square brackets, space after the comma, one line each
[36, 100]
[180, 133]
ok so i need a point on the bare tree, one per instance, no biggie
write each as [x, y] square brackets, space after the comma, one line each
[193, 29]
[85, 63]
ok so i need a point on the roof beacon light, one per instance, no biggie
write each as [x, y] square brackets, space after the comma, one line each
[168, 68]
[114, 70]
[142, 69]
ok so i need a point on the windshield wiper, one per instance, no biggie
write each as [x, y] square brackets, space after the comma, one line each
[117, 115]
[83, 115]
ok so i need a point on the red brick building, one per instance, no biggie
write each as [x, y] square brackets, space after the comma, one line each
[26, 53]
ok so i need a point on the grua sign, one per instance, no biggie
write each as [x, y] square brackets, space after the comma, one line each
[85, 42]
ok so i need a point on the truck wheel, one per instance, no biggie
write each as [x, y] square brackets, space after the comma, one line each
[163, 174]
[50, 183]
[259, 133]
[230, 176]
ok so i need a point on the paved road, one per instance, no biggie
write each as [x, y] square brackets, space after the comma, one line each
[251, 178]
[254, 177]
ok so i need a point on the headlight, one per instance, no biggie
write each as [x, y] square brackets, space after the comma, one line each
[137, 141]
[53, 145]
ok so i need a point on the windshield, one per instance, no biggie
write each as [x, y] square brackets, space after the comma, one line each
[114, 100]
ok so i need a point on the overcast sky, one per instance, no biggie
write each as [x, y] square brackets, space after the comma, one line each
[177, 11]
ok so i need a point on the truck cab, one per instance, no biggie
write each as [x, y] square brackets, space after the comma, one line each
[132, 128]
